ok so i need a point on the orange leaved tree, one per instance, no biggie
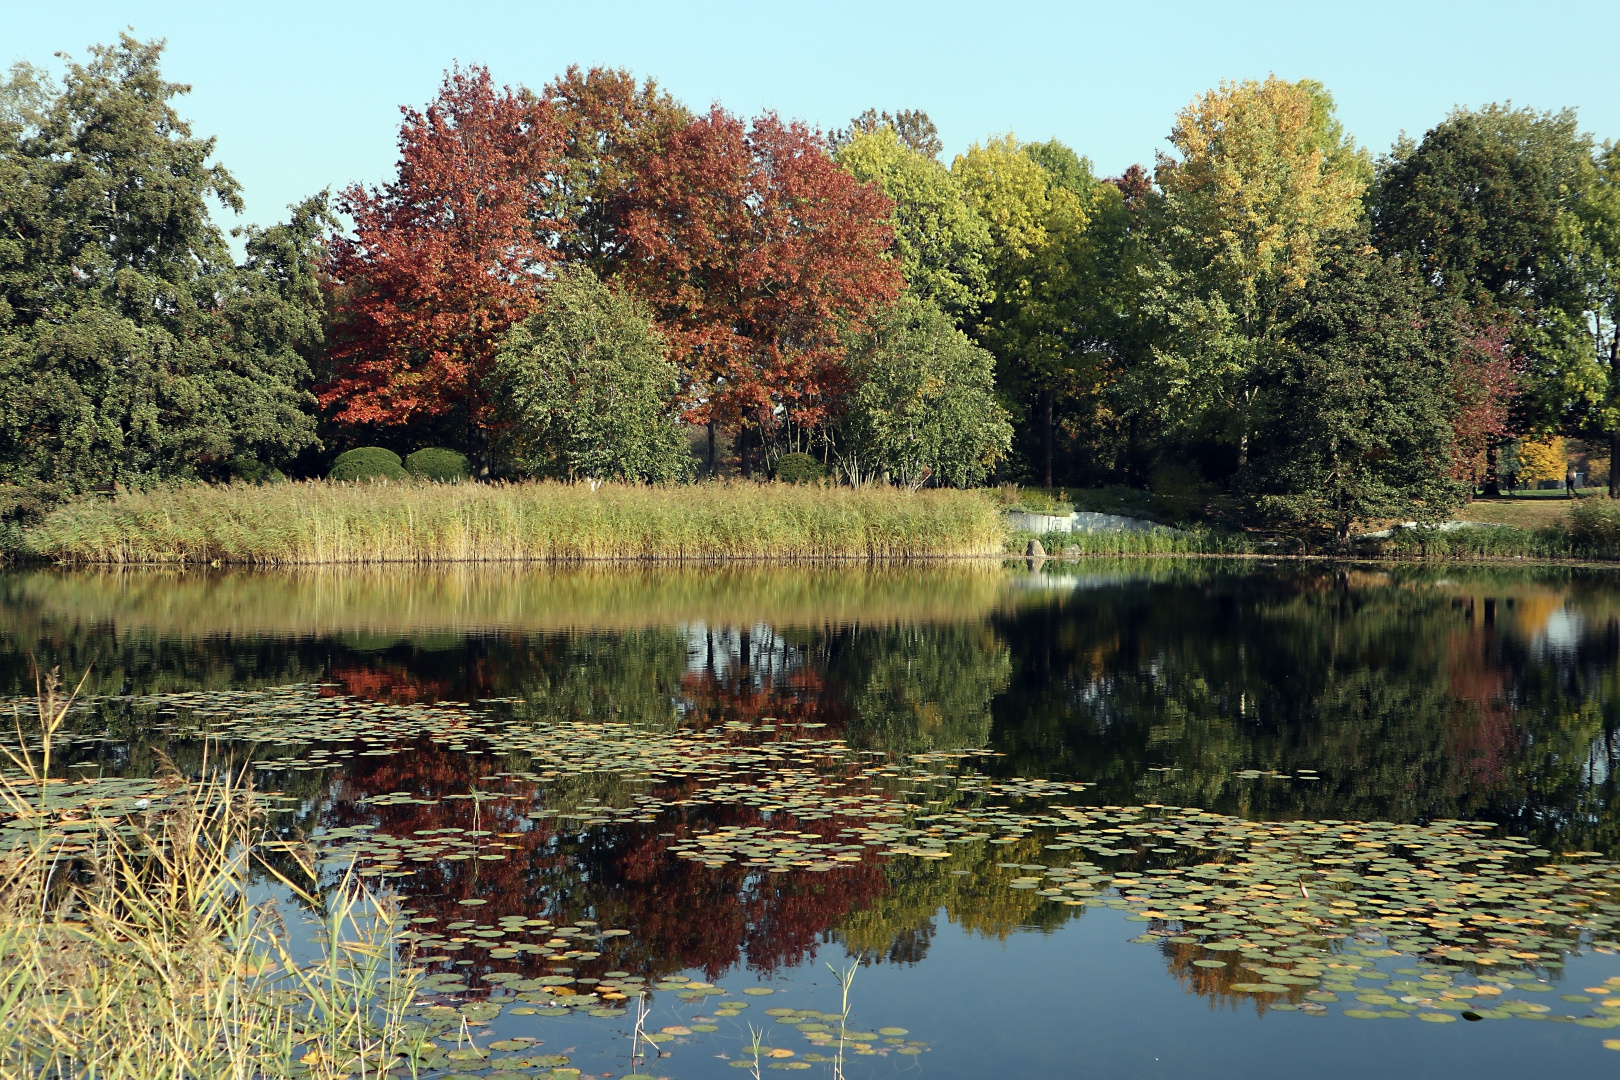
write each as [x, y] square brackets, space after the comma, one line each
[443, 259]
[756, 252]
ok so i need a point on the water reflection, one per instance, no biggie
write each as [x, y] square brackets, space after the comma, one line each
[1415, 694]
[1298, 692]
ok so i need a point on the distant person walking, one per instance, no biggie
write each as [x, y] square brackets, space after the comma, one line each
[1570, 479]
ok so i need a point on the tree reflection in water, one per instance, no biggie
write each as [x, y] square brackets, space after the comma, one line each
[1411, 694]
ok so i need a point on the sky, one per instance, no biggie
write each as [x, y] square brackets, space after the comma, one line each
[304, 96]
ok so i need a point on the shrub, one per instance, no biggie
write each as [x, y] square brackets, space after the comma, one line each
[1595, 522]
[799, 469]
[368, 463]
[248, 469]
[437, 463]
[590, 389]
[1041, 501]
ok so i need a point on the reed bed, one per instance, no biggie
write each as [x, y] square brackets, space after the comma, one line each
[130, 948]
[381, 522]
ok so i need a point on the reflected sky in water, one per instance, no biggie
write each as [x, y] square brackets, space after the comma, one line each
[1276, 692]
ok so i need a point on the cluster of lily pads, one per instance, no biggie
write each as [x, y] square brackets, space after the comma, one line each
[1295, 915]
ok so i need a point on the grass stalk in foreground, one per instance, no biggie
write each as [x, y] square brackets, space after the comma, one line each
[323, 522]
[129, 948]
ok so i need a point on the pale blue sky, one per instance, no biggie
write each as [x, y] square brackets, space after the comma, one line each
[304, 95]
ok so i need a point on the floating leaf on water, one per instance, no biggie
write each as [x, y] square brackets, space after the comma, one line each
[758, 991]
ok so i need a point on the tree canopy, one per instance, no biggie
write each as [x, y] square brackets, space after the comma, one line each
[1488, 207]
[1265, 171]
[589, 391]
[755, 253]
[940, 241]
[1362, 424]
[443, 259]
[132, 347]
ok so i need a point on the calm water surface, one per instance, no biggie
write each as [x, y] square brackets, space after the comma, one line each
[752, 773]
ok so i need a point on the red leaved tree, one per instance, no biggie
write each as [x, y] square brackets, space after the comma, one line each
[610, 125]
[443, 259]
[1484, 380]
[755, 251]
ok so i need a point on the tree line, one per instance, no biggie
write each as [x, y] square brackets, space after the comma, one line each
[591, 280]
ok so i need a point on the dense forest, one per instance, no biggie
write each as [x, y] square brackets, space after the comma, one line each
[592, 280]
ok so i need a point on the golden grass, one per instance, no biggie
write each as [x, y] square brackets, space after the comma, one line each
[130, 949]
[323, 522]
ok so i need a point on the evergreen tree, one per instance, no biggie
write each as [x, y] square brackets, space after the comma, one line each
[131, 348]
[1362, 421]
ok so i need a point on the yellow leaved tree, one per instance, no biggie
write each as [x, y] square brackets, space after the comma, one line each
[1265, 171]
[1542, 459]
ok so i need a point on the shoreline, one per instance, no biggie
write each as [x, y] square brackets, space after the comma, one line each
[323, 523]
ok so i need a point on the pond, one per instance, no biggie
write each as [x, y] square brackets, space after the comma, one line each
[1127, 819]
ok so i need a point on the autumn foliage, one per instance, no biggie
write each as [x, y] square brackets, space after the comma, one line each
[610, 125]
[756, 250]
[443, 259]
[1485, 378]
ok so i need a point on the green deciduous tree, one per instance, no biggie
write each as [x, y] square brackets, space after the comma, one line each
[131, 347]
[1600, 218]
[1362, 388]
[1037, 324]
[1265, 170]
[589, 389]
[924, 406]
[941, 243]
[1488, 208]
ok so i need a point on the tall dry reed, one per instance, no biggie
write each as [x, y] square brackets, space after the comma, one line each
[130, 948]
[323, 522]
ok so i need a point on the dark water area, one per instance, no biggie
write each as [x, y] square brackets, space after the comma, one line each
[1154, 818]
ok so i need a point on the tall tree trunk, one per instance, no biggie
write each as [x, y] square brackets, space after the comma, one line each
[1133, 453]
[1493, 484]
[744, 445]
[1046, 432]
[1614, 475]
[1243, 428]
[711, 448]
[478, 443]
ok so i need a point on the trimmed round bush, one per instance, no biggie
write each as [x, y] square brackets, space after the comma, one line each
[437, 463]
[799, 469]
[368, 463]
